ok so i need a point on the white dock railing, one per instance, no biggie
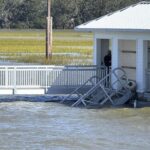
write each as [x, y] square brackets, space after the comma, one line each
[24, 77]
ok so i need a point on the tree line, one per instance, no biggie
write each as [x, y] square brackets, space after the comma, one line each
[66, 13]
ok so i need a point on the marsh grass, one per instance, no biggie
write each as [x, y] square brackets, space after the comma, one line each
[55, 60]
[65, 42]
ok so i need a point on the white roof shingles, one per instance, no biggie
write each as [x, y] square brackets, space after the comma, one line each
[135, 17]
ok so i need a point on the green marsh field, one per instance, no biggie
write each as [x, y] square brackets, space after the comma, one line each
[28, 46]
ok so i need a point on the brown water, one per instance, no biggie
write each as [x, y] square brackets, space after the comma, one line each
[52, 126]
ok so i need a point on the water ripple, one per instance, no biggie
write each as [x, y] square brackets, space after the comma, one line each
[52, 126]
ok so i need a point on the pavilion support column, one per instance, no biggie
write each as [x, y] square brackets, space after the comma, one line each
[140, 66]
[115, 53]
[115, 58]
[94, 51]
[97, 52]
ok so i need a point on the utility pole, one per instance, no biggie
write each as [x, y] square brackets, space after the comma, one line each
[49, 31]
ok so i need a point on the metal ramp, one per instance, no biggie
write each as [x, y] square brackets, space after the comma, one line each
[80, 91]
[116, 92]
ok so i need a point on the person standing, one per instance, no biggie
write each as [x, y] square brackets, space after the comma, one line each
[107, 59]
[107, 63]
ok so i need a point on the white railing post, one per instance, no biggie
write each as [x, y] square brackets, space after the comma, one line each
[6, 76]
[66, 69]
[46, 80]
[14, 89]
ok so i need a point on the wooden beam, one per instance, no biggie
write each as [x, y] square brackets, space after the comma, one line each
[128, 51]
[128, 67]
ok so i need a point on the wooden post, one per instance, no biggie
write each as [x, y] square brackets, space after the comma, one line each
[49, 31]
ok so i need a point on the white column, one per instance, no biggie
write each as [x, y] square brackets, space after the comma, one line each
[146, 55]
[140, 66]
[115, 58]
[115, 53]
[94, 50]
[97, 52]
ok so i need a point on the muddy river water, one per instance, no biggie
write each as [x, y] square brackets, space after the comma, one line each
[52, 126]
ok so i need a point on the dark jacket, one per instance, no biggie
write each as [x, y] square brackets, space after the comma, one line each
[107, 60]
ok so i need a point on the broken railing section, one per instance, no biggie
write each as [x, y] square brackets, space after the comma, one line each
[116, 91]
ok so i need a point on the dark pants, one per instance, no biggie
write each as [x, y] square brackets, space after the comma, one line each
[108, 79]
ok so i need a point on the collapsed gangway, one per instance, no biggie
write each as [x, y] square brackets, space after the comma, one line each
[116, 92]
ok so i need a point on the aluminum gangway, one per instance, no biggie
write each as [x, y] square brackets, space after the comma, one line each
[116, 92]
[80, 91]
